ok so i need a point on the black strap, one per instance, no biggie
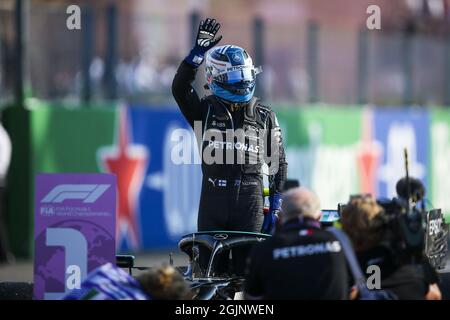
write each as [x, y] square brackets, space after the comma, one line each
[349, 255]
[250, 113]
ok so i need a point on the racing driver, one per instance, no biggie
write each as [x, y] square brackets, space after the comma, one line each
[236, 134]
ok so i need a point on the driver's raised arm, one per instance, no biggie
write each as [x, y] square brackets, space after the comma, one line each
[185, 95]
[182, 90]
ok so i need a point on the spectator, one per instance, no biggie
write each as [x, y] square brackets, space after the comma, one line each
[164, 283]
[109, 282]
[300, 261]
[365, 222]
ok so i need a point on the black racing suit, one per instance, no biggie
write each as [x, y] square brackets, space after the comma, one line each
[232, 188]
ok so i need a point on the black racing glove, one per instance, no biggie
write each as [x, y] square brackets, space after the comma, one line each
[205, 40]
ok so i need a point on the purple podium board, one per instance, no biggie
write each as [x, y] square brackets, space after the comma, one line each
[74, 231]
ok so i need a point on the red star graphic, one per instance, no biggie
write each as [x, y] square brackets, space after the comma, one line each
[368, 164]
[368, 156]
[128, 163]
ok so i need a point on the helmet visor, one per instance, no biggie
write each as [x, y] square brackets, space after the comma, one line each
[237, 75]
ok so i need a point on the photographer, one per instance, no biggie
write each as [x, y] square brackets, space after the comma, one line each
[300, 261]
[366, 223]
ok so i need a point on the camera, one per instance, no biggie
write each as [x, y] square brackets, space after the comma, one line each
[412, 233]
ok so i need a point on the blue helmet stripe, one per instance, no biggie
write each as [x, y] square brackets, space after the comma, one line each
[227, 95]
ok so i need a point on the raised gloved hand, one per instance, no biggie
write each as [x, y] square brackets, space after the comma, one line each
[205, 40]
[271, 218]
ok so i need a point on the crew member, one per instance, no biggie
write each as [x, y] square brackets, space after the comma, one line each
[300, 261]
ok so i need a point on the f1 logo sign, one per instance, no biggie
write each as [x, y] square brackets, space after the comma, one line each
[75, 216]
[89, 193]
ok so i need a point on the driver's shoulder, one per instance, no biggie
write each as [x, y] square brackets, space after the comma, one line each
[263, 107]
[266, 112]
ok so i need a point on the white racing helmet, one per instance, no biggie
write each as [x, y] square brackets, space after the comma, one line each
[230, 73]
